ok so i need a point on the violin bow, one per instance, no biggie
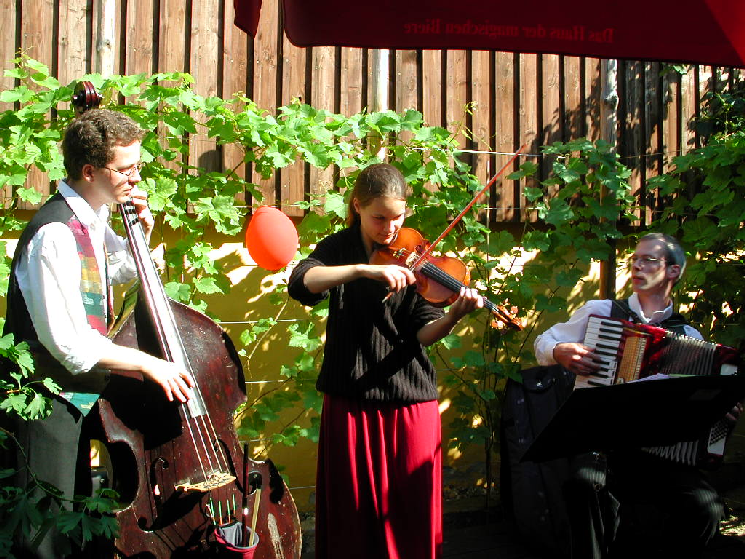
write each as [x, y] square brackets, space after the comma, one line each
[480, 193]
[503, 315]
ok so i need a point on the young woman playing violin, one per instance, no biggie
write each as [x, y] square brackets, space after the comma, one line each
[379, 487]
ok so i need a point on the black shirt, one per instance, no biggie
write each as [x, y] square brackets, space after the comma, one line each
[371, 349]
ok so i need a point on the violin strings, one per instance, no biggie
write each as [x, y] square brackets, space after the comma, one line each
[450, 282]
[441, 277]
[446, 280]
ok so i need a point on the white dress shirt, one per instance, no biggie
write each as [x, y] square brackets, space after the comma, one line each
[573, 330]
[49, 274]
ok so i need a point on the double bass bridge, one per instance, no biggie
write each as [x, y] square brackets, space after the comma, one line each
[213, 481]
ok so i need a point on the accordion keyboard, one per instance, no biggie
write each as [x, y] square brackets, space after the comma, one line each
[604, 336]
[627, 352]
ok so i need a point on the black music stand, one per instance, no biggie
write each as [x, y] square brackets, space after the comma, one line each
[636, 414]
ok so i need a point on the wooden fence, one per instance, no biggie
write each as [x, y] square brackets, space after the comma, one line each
[505, 99]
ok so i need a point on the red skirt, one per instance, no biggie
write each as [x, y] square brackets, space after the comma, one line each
[379, 481]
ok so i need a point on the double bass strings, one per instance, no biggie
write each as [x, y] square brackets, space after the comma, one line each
[214, 465]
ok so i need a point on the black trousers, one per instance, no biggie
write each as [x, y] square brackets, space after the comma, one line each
[56, 450]
[636, 505]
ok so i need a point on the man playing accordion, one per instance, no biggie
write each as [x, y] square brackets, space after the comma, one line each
[606, 493]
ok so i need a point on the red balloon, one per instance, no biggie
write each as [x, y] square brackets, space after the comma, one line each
[271, 238]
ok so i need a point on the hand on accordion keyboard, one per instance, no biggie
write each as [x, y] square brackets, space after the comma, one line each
[576, 358]
[735, 412]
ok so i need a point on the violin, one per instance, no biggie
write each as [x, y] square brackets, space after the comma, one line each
[439, 279]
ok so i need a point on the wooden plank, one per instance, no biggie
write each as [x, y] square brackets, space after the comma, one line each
[432, 98]
[294, 87]
[573, 114]
[688, 109]
[235, 56]
[456, 97]
[528, 125]
[324, 62]
[379, 65]
[173, 37]
[119, 39]
[406, 84]
[481, 125]
[266, 60]
[652, 132]
[7, 54]
[654, 114]
[173, 33]
[37, 40]
[234, 80]
[266, 57]
[74, 51]
[294, 70]
[139, 48]
[672, 133]
[505, 114]
[631, 146]
[37, 37]
[671, 123]
[205, 44]
[7, 47]
[322, 96]
[592, 97]
[352, 93]
[354, 85]
[407, 87]
[550, 105]
[706, 81]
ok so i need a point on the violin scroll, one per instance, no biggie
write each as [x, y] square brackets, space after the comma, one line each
[504, 319]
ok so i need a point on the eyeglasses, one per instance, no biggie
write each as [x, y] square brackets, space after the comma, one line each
[645, 261]
[127, 173]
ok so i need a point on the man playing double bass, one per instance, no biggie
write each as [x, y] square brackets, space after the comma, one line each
[59, 302]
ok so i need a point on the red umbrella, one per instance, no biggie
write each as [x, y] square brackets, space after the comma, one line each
[693, 31]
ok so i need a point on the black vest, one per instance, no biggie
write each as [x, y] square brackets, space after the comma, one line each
[674, 323]
[19, 323]
[17, 320]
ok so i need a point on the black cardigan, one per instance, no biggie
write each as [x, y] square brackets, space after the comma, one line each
[371, 350]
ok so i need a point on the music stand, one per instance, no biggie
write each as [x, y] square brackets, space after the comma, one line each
[636, 414]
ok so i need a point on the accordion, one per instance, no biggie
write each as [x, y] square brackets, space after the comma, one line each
[629, 352]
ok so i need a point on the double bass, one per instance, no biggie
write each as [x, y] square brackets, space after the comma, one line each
[180, 469]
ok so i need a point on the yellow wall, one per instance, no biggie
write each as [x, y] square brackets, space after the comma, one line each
[248, 301]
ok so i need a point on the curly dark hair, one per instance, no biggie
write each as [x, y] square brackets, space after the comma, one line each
[92, 137]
